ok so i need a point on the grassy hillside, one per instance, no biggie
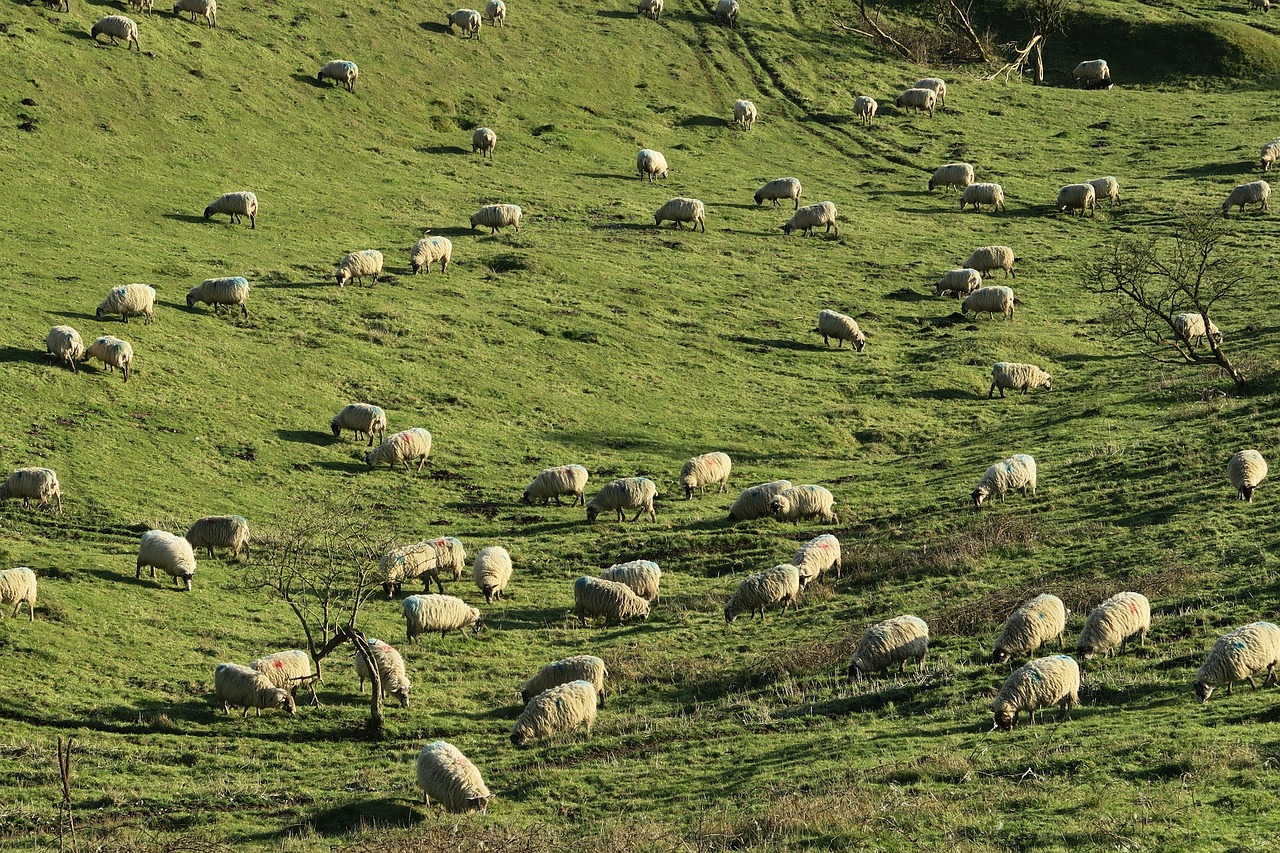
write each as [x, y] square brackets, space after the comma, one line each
[591, 337]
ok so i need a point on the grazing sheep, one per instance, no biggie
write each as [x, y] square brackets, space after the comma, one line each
[241, 686]
[918, 99]
[781, 584]
[235, 205]
[938, 85]
[1035, 622]
[559, 709]
[754, 501]
[1269, 154]
[800, 502]
[221, 291]
[113, 353]
[495, 216]
[707, 469]
[1246, 469]
[391, 672]
[865, 108]
[357, 265]
[727, 12]
[960, 282]
[1016, 472]
[65, 343]
[443, 772]
[627, 493]
[980, 194]
[496, 12]
[1254, 192]
[129, 299]
[220, 531]
[483, 139]
[993, 299]
[1263, 5]
[467, 21]
[428, 250]
[551, 483]
[577, 668]
[342, 72]
[1236, 656]
[1192, 328]
[422, 559]
[895, 640]
[113, 27]
[288, 670]
[362, 419]
[207, 8]
[820, 554]
[1113, 622]
[953, 175]
[144, 7]
[680, 210]
[842, 327]
[16, 586]
[38, 484]
[651, 8]
[1092, 72]
[780, 188]
[1107, 187]
[171, 554]
[811, 216]
[643, 577]
[58, 5]
[443, 613]
[404, 447]
[1037, 684]
[613, 600]
[1015, 376]
[1079, 197]
[492, 572]
[745, 113]
[651, 164]
[987, 258]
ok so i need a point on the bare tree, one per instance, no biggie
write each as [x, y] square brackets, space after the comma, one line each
[1044, 18]
[956, 37]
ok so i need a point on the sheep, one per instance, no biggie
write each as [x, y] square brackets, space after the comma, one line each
[1236, 656]
[680, 210]
[1017, 472]
[559, 709]
[221, 291]
[113, 353]
[58, 5]
[207, 8]
[551, 483]
[754, 501]
[781, 584]
[1263, 5]
[495, 216]
[38, 484]
[342, 72]
[1191, 327]
[129, 299]
[408, 445]
[1247, 469]
[422, 559]
[288, 670]
[727, 12]
[492, 572]
[357, 265]
[427, 251]
[145, 7]
[953, 175]
[864, 107]
[236, 205]
[918, 99]
[651, 8]
[613, 600]
[239, 685]
[391, 672]
[811, 216]
[780, 188]
[980, 194]
[806, 501]
[16, 586]
[1037, 684]
[443, 613]
[987, 258]
[443, 772]
[651, 164]
[707, 469]
[960, 282]
[627, 493]
[1254, 192]
[1113, 622]
[483, 139]
[220, 531]
[993, 299]
[467, 21]
[1079, 197]
[842, 327]
[1035, 622]
[496, 12]
[362, 419]
[1016, 376]
[745, 113]
[577, 668]
[1107, 187]
[171, 554]
[113, 27]
[1092, 73]
[1269, 154]
[820, 554]
[938, 85]
[895, 640]
[65, 343]
[643, 577]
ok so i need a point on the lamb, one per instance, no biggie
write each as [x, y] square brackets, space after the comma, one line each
[1113, 622]
[1246, 469]
[820, 554]
[1107, 187]
[954, 175]
[1236, 656]
[443, 772]
[781, 584]
[495, 216]
[613, 600]
[551, 483]
[492, 572]
[992, 299]
[651, 8]
[1079, 197]
[1035, 622]
[16, 586]
[643, 577]
[1017, 472]
[221, 291]
[680, 210]
[895, 640]
[780, 188]
[745, 113]
[1015, 376]
[236, 205]
[357, 265]
[467, 21]
[918, 99]
[391, 672]
[428, 250]
[239, 685]
[864, 107]
[129, 299]
[422, 559]
[1269, 154]
[806, 501]
[113, 353]
[988, 258]
[651, 164]
[842, 327]
[938, 85]
[342, 72]
[560, 709]
[960, 282]
[483, 139]
[207, 8]
[404, 447]
[113, 27]
[443, 613]
[496, 12]
[707, 469]
[220, 531]
[171, 554]
[362, 419]
[980, 194]
[1255, 192]
[38, 484]
[627, 493]
[65, 343]
[1092, 73]
[727, 12]
[1192, 328]
[811, 216]
[754, 501]
[1037, 684]
[577, 668]
[288, 670]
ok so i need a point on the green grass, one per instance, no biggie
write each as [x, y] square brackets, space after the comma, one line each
[591, 337]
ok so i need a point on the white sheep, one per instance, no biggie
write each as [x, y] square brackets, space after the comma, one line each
[938, 85]
[626, 493]
[551, 483]
[651, 164]
[495, 216]
[1113, 622]
[1254, 192]
[235, 205]
[391, 671]
[220, 531]
[467, 21]
[362, 419]
[819, 555]
[864, 107]
[918, 99]
[492, 572]
[984, 259]
[65, 343]
[895, 640]
[754, 501]
[443, 613]
[1015, 376]
[1236, 656]
[357, 265]
[1037, 684]
[953, 175]
[1192, 328]
[428, 250]
[1033, 623]
[424, 560]
[577, 668]
[995, 299]
[980, 194]
[1247, 469]
[806, 501]
[1079, 197]
[643, 577]
[241, 686]
[496, 12]
[443, 772]
[842, 327]
[727, 12]
[38, 484]
[288, 670]
[1091, 73]
[779, 585]
[811, 216]
[1269, 154]
[559, 709]
[129, 299]
[1018, 472]
[483, 139]
[780, 188]
[707, 469]
[171, 554]
[681, 210]
[615, 601]
[113, 27]
[960, 282]
[221, 291]
[207, 8]
[410, 445]
[1262, 5]
[342, 72]
[1107, 187]
[745, 113]
[144, 7]
[651, 8]
[113, 353]
[16, 586]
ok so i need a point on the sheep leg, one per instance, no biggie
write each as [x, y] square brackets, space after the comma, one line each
[637, 516]
[1271, 674]
[1252, 683]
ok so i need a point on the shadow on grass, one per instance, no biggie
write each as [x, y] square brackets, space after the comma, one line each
[344, 467]
[607, 176]
[830, 119]
[308, 436]
[1209, 170]
[186, 217]
[779, 343]
[457, 231]
[442, 149]
[613, 13]
[703, 121]
[947, 394]
[310, 80]
[22, 354]
[433, 27]
[906, 294]
[382, 812]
